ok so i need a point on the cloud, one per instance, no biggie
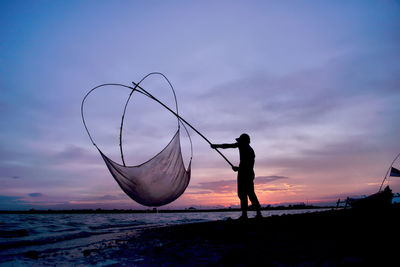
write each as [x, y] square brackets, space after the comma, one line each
[279, 106]
[12, 203]
[101, 198]
[229, 186]
[220, 187]
[72, 154]
[268, 179]
[317, 103]
[203, 192]
[275, 189]
[107, 197]
[10, 198]
[36, 195]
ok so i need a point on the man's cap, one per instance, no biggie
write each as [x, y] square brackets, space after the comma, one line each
[243, 138]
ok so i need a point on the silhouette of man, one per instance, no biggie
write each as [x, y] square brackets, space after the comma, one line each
[245, 178]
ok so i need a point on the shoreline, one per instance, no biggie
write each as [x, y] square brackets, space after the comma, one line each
[330, 238]
[189, 210]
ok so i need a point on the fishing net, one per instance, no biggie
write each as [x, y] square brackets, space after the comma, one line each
[158, 181]
[161, 179]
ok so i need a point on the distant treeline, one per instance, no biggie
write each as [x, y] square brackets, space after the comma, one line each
[155, 210]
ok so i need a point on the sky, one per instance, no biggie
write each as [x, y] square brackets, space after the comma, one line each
[316, 85]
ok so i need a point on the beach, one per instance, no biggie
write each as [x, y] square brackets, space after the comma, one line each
[321, 238]
[133, 132]
[330, 238]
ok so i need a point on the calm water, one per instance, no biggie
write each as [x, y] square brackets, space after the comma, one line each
[20, 233]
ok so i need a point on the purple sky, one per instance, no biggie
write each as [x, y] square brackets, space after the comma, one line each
[314, 83]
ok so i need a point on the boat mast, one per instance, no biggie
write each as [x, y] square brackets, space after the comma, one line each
[387, 172]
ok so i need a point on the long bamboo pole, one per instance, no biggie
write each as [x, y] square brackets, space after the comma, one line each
[143, 91]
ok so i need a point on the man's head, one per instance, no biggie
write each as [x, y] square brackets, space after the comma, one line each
[243, 139]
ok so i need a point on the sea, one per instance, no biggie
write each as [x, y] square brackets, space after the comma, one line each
[24, 237]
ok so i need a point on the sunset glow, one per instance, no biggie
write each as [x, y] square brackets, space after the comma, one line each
[316, 86]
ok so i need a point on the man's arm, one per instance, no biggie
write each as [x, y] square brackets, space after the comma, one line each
[234, 145]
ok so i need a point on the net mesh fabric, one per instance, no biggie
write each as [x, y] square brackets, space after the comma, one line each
[156, 182]
[163, 178]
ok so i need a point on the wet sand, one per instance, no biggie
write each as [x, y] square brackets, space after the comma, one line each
[329, 238]
[332, 238]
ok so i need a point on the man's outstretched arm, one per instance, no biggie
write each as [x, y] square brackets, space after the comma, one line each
[234, 145]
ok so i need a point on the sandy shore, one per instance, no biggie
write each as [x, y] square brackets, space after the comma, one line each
[330, 238]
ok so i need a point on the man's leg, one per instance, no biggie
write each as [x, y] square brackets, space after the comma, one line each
[242, 194]
[254, 200]
[243, 205]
